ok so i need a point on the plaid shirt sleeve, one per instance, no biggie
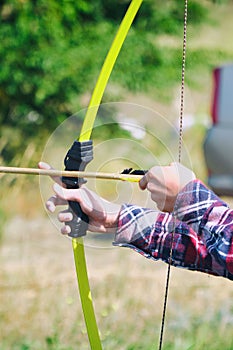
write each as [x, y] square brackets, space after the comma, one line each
[202, 226]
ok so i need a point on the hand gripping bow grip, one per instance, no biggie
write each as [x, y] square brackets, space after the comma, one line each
[76, 159]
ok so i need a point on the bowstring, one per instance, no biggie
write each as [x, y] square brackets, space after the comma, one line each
[179, 160]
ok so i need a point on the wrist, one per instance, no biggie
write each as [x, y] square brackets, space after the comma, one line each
[113, 217]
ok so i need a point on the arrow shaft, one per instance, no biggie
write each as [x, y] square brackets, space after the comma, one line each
[77, 174]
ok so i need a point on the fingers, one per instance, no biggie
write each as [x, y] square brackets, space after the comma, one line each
[86, 198]
[165, 182]
[46, 166]
[54, 201]
[65, 230]
[65, 217]
[103, 215]
[151, 176]
[67, 194]
[63, 195]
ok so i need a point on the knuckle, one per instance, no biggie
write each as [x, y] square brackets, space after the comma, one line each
[150, 174]
[149, 186]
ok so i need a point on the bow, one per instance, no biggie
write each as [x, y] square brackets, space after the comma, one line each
[85, 134]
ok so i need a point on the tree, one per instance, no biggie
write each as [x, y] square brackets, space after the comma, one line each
[51, 52]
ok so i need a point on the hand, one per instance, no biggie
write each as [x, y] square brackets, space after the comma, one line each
[103, 215]
[165, 183]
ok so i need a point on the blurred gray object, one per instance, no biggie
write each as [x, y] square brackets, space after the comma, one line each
[218, 145]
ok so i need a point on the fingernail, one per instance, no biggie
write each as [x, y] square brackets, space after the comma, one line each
[43, 164]
[50, 207]
[56, 187]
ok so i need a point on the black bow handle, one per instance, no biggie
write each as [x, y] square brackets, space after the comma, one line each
[76, 159]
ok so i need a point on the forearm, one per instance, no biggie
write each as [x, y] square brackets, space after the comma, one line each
[153, 239]
[195, 246]
[203, 210]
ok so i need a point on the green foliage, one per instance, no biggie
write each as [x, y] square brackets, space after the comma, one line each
[167, 17]
[51, 53]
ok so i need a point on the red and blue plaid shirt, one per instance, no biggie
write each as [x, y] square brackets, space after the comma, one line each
[202, 226]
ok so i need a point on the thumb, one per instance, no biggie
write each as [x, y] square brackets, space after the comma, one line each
[143, 182]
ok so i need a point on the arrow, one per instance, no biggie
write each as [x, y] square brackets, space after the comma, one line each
[66, 173]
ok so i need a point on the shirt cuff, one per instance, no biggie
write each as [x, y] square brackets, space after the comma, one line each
[133, 221]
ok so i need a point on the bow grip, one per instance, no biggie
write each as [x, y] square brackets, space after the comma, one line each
[79, 223]
[76, 159]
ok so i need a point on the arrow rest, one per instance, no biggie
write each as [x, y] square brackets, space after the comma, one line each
[76, 159]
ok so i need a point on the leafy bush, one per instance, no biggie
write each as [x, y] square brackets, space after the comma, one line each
[51, 53]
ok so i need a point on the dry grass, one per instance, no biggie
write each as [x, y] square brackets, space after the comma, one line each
[40, 306]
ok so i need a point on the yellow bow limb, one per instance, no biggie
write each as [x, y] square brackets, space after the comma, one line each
[85, 134]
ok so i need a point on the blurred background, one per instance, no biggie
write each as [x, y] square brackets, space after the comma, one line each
[51, 54]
